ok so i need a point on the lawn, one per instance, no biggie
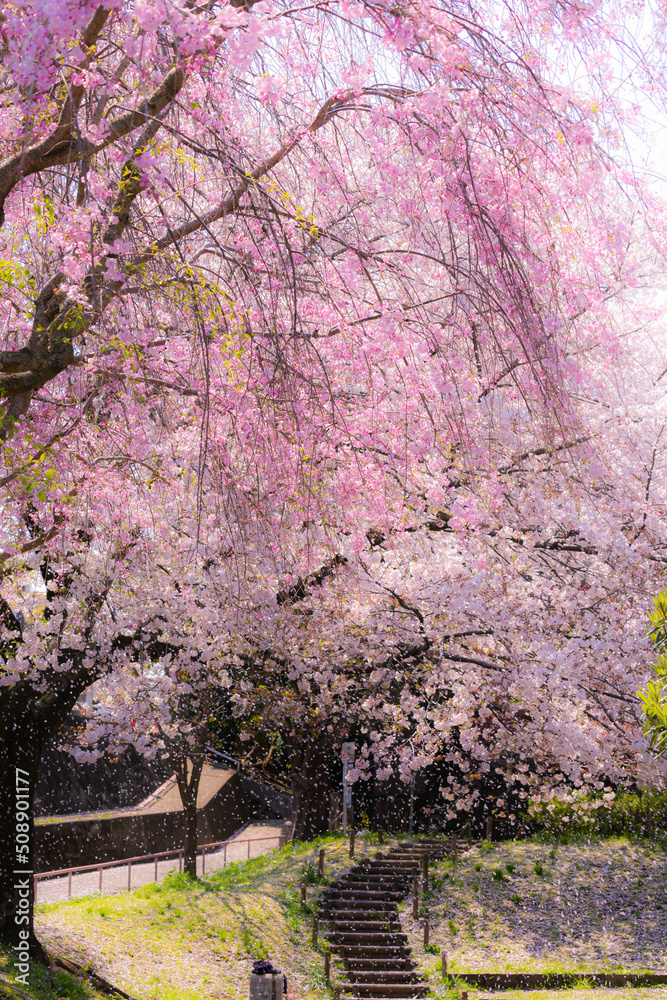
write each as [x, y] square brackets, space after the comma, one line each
[524, 906]
[535, 906]
[60, 986]
[183, 940]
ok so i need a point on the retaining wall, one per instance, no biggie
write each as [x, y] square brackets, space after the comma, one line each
[69, 841]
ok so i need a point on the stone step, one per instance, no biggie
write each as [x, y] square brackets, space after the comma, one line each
[377, 895]
[385, 990]
[364, 926]
[339, 905]
[397, 862]
[370, 878]
[394, 964]
[338, 914]
[386, 940]
[398, 888]
[370, 976]
[418, 855]
[380, 951]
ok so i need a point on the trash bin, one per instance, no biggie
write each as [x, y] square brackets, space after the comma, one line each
[267, 983]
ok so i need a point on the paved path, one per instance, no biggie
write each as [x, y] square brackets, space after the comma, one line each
[248, 842]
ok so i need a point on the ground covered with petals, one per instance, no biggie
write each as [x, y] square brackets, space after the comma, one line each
[586, 906]
[186, 940]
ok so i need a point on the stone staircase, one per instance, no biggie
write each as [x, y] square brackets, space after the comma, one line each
[360, 912]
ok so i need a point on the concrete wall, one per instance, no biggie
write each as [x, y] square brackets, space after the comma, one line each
[85, 840]
[266, 802]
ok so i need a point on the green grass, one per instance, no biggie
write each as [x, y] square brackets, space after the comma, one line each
[186, 938]
[504, 907]
[540, 906]
[43, 986]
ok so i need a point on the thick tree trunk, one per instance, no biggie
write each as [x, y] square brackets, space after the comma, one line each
[312, 764]
[20, 750]
[28, 718]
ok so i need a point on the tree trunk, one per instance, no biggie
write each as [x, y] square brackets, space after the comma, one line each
[190, 835]
[188, 774]
[20, 751]
[311, 786]
[28, 718]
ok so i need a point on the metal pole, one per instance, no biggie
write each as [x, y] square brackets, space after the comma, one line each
[344, 799]
[156, 867]
[203, 860]
[412, 805]
[248, 849]
[129, 875]
[224, 857]
[69, 885]
[100, 878]
[35, 880]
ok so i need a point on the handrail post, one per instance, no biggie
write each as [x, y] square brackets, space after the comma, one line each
[203, 859]
[156, 867]
[69, 884]
[248, 843]
[35, 880]
[100, 878]
[129, 875]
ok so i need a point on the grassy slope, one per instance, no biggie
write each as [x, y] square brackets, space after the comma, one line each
[59, 987]
[545, 907]
[586, 908]
[186, 940]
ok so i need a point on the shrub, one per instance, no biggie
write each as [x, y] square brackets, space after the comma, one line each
[640, 814]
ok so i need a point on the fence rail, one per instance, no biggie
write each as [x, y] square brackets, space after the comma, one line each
[146, 858]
